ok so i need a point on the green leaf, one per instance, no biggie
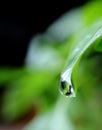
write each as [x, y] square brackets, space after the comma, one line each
[91, 12]
[85, 42]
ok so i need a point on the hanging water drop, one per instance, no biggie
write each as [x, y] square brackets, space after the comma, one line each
[66, 87]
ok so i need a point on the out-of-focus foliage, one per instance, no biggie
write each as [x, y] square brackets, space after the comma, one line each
[84, 111]
[91, 12]
[37, 83]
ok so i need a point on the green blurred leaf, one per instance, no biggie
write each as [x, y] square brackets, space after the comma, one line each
[90, 40]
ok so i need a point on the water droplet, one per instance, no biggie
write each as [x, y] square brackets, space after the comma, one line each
[66, 87]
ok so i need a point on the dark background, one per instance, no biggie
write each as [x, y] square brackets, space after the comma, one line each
[20, 21]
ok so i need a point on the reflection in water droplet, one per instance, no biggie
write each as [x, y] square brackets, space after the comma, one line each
[66, 87]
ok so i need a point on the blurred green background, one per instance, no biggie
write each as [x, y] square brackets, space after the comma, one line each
[36, 83]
